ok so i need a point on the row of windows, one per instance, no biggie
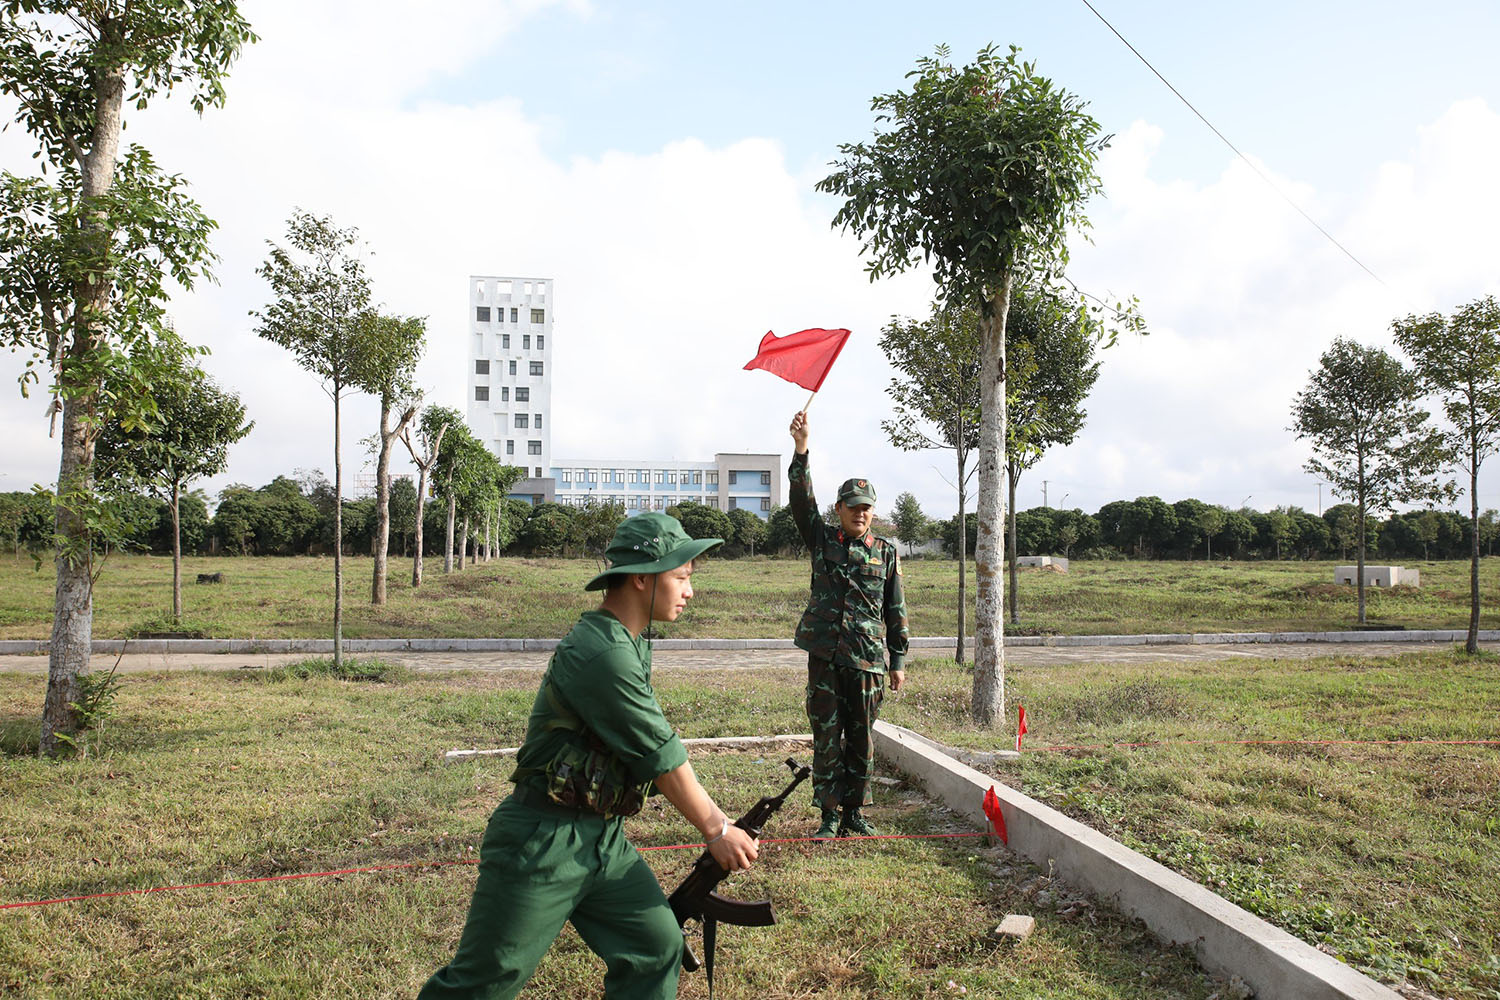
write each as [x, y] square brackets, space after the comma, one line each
[637, 502]
[483, 368]
[532, 448]
[696, 477]
[533, 420]
[523, 394]
[482, 314]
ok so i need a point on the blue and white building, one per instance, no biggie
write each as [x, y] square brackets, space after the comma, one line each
[510, 410]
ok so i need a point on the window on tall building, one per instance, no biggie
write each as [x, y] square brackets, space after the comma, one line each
[533, 447]
[765, 480]
[712, 477]
[536, 367]
[505, 394]
[567, 477]
[765, 504]
[523, 419]
[514, 313]
[593, 476]
[672, 478]
[732, 475]
[505, 341]
[541, 342]
[510, 447]
[686, 477]
[482, 314]
[634, 502]
[537, 423]
[539, 472]
[512, 367]
[539, 315]
[697, 479]
[481, 368]
[661, 502]
[523, 394]
[526, 342]
[661, 477]
[482, 392]
[713, 502]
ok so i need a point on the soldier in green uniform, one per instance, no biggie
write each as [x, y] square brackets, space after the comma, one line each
[855, 597]
[596, 744]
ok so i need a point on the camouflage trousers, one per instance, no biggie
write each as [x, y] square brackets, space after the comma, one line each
[842, 706]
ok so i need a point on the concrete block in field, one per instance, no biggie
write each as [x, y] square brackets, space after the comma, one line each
[1015, 925]
[1379, 576]
[1058, 563]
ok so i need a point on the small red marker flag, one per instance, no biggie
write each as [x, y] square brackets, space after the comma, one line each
[997, 818]
[803, 358]
[1020, 725]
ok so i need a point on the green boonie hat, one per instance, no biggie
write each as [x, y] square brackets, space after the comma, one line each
[650, 543]
[856, 491]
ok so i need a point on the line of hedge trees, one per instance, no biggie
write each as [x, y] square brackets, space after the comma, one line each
[295, 517]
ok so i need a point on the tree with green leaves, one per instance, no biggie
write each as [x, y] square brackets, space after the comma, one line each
[936, 397]
[747, 531]
[85, 257]
[979, 171]
[320, 313]
[431, 429]
[403, 507]
[386, 355]
[911, 523]
[1371, 442]
[701, 521]
[188, 439]
[1457, 359]
[1049, 350]
[457, 463]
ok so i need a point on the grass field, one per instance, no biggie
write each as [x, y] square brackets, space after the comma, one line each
[1383, 854]
[747, 598]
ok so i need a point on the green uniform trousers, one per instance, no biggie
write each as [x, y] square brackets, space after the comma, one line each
[541, 866]
[842, 706]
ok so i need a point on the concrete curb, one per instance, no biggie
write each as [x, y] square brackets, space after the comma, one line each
[23, 647]
[1227, 940]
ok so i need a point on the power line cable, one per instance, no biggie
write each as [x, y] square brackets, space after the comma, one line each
[1269, 183]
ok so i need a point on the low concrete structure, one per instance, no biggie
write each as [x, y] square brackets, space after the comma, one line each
[1044, 562]
[1227, 940]
[1379, 576]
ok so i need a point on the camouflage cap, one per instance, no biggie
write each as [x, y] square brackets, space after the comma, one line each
[856, 491]
[650, 543]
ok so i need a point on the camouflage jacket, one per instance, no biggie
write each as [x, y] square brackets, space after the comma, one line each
[856, 588]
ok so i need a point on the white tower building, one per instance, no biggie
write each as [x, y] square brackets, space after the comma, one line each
[510, 369]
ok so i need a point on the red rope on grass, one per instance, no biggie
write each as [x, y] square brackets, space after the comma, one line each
[430, 864]
[1316, 743]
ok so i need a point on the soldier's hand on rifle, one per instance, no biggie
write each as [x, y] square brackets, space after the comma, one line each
[735, 850]
[799, 431]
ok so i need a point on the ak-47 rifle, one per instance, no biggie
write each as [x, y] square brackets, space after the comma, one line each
[696, 899]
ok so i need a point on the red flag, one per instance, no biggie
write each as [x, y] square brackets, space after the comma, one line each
[1020, 725]
[997, 819]
[803, 357]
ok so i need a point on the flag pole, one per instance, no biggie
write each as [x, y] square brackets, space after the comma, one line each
[809, 401]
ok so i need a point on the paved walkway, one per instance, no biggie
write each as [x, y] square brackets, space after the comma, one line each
[742, 659]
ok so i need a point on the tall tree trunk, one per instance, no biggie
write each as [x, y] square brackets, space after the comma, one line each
[989, 632]
[1011, 475]
[463, 543]
[963, 561]
[448, 541]
[176, 552]
[1359, 551]
[485, 547]
[499, 524]
[73, 606]
[416, 561]
[1471, 644]
[338, 538]
[382, 503]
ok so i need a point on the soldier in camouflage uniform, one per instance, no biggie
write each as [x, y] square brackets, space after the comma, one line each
[856, 588]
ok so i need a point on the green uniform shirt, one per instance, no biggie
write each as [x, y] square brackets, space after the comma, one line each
[856, 588]
[603, 675]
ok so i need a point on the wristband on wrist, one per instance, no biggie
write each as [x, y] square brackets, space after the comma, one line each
[723, 829]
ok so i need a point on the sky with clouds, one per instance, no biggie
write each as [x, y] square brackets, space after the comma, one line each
[657, 160]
